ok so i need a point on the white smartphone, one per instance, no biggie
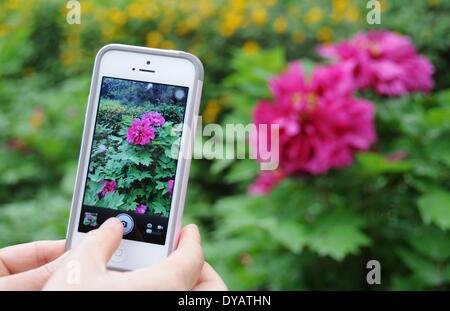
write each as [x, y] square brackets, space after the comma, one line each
[135, 152]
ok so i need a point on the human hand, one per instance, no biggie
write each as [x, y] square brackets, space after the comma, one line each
[184, 269]
[28, 266]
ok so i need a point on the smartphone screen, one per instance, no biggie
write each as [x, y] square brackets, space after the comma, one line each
[132, 166]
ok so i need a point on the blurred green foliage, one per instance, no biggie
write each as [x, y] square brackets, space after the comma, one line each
[310, 233]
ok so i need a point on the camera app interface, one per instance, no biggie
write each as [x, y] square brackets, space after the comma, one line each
[133, 157]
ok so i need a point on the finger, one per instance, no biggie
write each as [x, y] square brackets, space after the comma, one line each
[187, 260]
[189, 234]
[33, 279]
[23, 257]
[99, 245]
[209, 280]
[180, 271]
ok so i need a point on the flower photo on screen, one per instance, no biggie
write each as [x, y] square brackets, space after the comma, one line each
[131, 166]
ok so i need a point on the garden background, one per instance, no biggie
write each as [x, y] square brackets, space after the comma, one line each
[310, 232]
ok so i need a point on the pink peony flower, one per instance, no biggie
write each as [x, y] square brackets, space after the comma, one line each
[384, 61]
[141, 209]
[265, 182]
[321, 123]
[155, 118]
[293, 87]
[140, 132]
[108, 186]
[170, 186]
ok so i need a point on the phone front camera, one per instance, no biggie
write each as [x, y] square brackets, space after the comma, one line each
[148, 62]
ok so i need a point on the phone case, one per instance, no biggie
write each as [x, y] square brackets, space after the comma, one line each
[179, 196]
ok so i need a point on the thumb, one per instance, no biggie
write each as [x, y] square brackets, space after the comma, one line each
[100, 244]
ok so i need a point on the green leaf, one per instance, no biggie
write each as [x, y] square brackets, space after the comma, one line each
[131, 198]
[116, 138]
[447, 273]
[140, 157]
[159, 209]
[93, 188]
[438, 117]
[111, 200]
[219, 165]
[438, 148]
[424, 269]
[242, 170]
[160, 185]
[434, 208]
[251, 71]
[431, 242]
[337, 233]
[290, 234]
[410, 283]
[133, 175]
[375, 163]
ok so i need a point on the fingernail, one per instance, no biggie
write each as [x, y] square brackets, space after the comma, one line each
[192, 227]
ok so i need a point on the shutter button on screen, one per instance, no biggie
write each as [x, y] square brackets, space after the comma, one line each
[127, 221]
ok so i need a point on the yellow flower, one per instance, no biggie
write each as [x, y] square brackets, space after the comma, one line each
[353, 14]
[434, 2]
[100, 15]
[145, 10]
[384, 5]
[280, 24]
[167, 44]
[234, 20]
[193, 22]
[231, 23]
[259, 16]
[339, 7]
[12, 5]
[108, 32]
[325, 34]
[154, 39]
[118, 17]
[211, 111]
[298, 36]
[226, 31]
[86, 7]
[206, 7]
[73, 37]
[184, 6]
[251, 47]
[165, 26]
[135, 10]
[182, 29]
[69, 57]
[314, 15]
[239, 5]
[4, 30]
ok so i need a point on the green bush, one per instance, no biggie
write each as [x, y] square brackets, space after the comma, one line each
[315, 228]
